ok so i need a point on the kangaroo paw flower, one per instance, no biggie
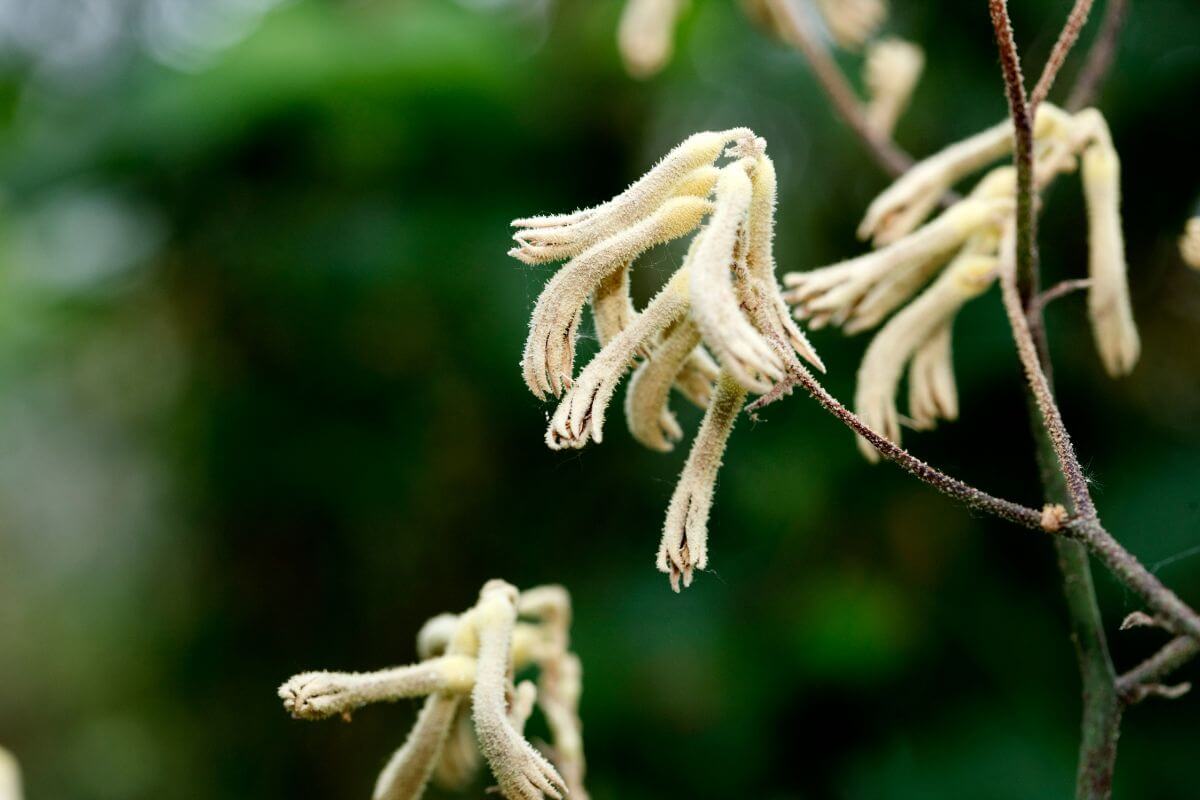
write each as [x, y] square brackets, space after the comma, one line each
[684, 545]
[480, 655]
[897, 342]
[1113, 327]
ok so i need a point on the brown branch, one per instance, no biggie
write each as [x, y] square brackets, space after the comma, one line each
[796, 29]
[1176, 614]
[963, 492]
[1039, 385]
[1055, 292]
[1171, 657]
[1100, 56]
[1018, 104]
[1066, 40]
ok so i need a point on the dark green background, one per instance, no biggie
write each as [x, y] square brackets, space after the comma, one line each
[261, 412]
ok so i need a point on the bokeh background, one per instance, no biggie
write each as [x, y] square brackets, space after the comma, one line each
[260, 409]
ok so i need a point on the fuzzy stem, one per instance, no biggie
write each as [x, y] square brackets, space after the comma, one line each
[1022, 117]
[1100, 56]
[885, 151]
[1101, 719]
[963, 492]
[1066, 40]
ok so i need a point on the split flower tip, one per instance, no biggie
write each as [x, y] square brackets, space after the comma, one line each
[319, 695]
[684, 546]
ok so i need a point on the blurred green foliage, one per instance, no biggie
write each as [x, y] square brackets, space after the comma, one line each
[261, 412]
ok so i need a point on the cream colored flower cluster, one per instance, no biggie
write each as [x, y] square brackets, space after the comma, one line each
[963, 247]
[723, 300]
[472, 707]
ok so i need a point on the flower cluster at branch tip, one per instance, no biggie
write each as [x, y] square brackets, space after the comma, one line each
[646, 35]
[10, 777]
[723, 299]
[965, 246]
[472, 707]
[1189, 243]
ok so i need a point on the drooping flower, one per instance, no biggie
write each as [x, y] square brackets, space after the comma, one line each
[1113, 327]
[724, 299]
[919, 337]
[862, 292]
[472, 705]
[890, 72]
[646, 35]
[1189, 243]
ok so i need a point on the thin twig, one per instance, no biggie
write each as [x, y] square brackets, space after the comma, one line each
[1058, 290]
[791, 21]
[1039, 385]
[1176, 614]
[1101, 717]
[1100, 56]
[1066, 40]
[1171, 657]
[963, 492]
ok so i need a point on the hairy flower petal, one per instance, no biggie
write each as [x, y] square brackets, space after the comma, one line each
[521, 772]
[316, 695]
[1109, 308]
[902, 207]
[932, 394]
[460, 757]
[892, 348]
[550, 348]
[760, 262]
[738, 346]
[410, 768]
[684, 546]
[861, 291]
[559, 689]
[650, 420]
[580, 414]
[541, 241]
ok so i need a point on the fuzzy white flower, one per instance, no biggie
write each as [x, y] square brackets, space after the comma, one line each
[921, 329]
[1109, 308]
[723, 299]
[472, 706]
[859, 293]
[862, 292]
